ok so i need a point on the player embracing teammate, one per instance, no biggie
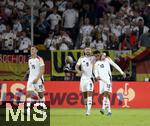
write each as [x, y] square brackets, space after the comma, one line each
[84, 67]
[102, 72]
[96, 67]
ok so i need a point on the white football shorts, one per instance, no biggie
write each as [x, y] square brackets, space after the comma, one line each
[86, 84]
[38, 87]
[103, 87]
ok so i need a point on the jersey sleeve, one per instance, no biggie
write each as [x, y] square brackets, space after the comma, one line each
[114, 65]
[41, 62]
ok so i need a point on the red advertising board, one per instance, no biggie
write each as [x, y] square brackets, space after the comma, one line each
[66, 94]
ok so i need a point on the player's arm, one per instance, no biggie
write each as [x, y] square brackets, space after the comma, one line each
[77, 67]
[41, 72]
[116, 66]
[26, 75]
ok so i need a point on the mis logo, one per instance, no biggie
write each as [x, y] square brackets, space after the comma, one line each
[126, 95]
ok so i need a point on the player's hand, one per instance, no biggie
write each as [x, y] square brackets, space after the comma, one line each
[35, 81]
[124, 75]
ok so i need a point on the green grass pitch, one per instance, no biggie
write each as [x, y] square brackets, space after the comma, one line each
[120, 117]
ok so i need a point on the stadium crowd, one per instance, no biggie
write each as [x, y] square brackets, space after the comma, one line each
[74, 24]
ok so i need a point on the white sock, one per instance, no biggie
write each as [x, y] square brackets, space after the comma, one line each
[108, 103]
[42, 102]
[89, 103]
[28, 102]
[104, 104]
[85, 102]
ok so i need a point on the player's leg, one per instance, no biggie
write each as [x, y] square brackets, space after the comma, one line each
[30, 89]
[28, 102]
[28, 98]
[41, 99]
[101, 91]
[39, 87]
[89, 96]
[89, 102]
[107, 96]
[84, 91]
[85, 98]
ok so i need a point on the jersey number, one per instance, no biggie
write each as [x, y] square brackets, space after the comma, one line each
[102, 65]
[87, 64]
[33, 66]
[91, 86]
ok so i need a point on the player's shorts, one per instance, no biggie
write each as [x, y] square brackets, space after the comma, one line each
[38, 87]
[86, 85]
[104, 87]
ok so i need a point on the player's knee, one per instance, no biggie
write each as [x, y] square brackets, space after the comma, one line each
[41, 94]
[106, 94]
[89, 93]
[28, 94]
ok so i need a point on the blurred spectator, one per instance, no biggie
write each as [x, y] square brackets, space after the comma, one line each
[10, 4]
[17, 27]
[20, 5]
[49, 41]
[65, 42]
[141, 28]
[69, 21]
[61, 4]
[69, 68]
[35, 4]
[46, 8]
[86, 12]
[128, 40]
[24, 42]
[2, 27]
[86, 31]
[81, 20]
[126, 25]
[98, 43]
[146, 15]
[86, 41]
[8, 39]
[145, 40]
[47, 3]
[101, 7]
[112, 42]
[117, 4]
[116, 27]
[54, 18]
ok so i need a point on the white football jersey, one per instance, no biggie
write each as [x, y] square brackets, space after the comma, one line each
[86, 30]
[86, 63]
[54, 19]
[34, 68]
[102, 69]
[70, 17]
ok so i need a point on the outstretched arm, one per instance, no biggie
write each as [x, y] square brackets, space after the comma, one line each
[116, 66]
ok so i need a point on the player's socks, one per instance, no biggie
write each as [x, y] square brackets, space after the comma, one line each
[85, 102]
[89, 104]
[42, 102]
[104, 104]
[28, 105]
[108, 103]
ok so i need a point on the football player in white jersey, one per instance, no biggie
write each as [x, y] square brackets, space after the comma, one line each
[102, 72]
[86, 63]
[35, 79]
